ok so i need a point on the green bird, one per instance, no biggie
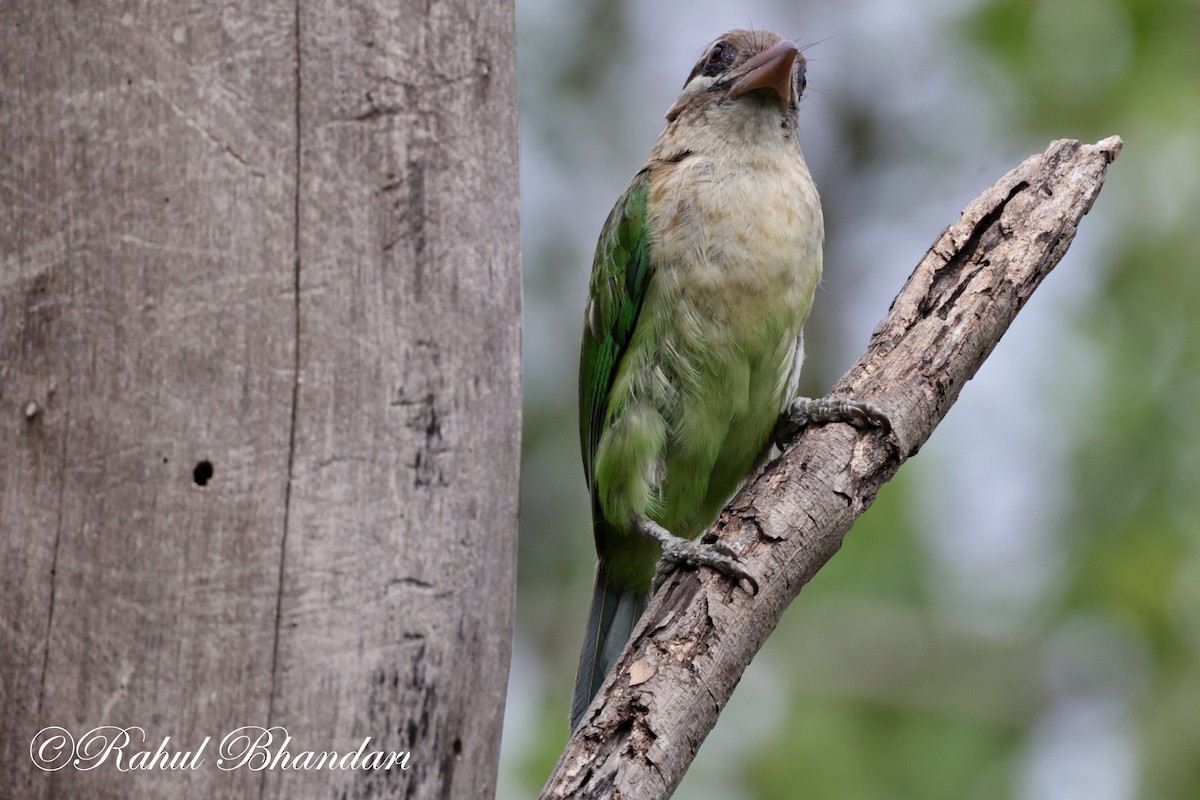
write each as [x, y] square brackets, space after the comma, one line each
[693, 332]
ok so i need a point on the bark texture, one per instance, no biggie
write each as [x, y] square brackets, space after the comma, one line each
[700, 631]
[259, 388]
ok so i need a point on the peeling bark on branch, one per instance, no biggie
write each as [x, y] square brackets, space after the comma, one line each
[700, 632]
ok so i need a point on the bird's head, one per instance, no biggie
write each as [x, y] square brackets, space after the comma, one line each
[741, 72]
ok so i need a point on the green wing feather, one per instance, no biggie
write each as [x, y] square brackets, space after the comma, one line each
[620, 275]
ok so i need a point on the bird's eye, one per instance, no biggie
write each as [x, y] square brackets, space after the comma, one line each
[801, 80]
[718, 58]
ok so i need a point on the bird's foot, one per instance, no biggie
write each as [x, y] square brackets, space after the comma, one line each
[676, 550]
[805, 411]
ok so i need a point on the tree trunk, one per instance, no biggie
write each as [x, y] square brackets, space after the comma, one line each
[259, 393]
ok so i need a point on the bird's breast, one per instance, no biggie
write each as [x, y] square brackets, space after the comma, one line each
[737, 239]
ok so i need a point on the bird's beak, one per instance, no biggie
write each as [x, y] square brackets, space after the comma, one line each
[770, 69]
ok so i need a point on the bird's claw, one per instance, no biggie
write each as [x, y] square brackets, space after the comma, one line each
[866, 415]
[676, 550]
[805, 411]
[718, 556]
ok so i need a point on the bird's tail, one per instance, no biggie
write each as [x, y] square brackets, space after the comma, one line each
[610, 624]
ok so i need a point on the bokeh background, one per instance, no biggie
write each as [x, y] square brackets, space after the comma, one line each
[1018, 616]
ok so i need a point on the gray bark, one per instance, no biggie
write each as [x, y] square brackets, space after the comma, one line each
[259, 387]
[700, 632]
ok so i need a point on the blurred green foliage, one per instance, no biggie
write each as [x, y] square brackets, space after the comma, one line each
[893, 675]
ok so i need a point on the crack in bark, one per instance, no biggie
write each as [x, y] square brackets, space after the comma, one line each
[295, 399]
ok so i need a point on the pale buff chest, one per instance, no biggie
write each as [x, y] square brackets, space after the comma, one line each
[737, 238]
